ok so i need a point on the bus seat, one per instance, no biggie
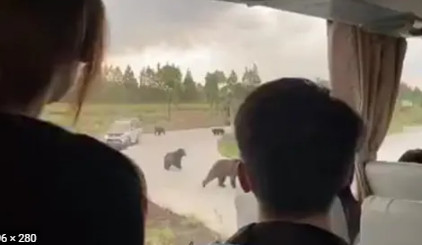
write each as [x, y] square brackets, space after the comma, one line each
[395, 179]
[247, 213]
[389, 221]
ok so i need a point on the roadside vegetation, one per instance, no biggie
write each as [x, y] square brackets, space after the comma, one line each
[405, 117]
[227, 146]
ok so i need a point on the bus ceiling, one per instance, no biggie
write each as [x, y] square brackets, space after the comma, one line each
[389, 17]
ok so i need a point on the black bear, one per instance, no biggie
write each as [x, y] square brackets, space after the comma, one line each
[221, 170]
[174, 159]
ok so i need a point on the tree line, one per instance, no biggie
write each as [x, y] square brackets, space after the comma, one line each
[167, 84]
[410, 94]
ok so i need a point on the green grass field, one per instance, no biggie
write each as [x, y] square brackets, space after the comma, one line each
[96, 118]
[227, 146]
[403, 117]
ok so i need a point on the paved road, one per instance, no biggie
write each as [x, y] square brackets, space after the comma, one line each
[181, 191]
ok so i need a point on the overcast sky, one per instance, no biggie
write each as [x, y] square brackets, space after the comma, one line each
[205, 35]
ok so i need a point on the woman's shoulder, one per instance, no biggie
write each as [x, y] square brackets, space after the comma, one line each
[74, 149]
[94, 149]
[95, 154]
[92, 160]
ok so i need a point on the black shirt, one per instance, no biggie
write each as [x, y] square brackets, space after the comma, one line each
[284, 233]
[70, 188]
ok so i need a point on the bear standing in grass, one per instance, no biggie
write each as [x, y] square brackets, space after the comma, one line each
[221, 170]
[174, 159]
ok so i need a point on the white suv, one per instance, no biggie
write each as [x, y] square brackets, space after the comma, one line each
[124, 133]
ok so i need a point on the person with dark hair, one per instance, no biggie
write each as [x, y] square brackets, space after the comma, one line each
[351, 207]
[297, 145]
[68, 188]
[414, 156]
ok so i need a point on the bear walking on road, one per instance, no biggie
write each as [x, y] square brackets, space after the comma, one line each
[221, 170]
[159, 130]
[174, 159]
[218, 131]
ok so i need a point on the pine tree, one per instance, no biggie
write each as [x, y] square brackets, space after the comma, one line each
[190, 92]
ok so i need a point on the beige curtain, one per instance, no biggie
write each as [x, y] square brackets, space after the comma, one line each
[365, 71]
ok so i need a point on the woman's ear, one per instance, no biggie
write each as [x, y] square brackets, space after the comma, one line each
[244, 178]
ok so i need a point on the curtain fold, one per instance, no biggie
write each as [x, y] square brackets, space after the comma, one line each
[365, 72]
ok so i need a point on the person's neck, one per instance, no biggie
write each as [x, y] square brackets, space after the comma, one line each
[319, 220]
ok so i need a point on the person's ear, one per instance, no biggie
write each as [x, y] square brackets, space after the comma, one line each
[244, 178]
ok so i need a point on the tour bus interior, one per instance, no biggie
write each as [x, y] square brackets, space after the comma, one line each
[181, 69]
[366, 49]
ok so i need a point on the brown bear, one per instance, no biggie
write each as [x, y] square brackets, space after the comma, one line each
[159, 130]
[218, 131]
[174, 159]
[221, 170]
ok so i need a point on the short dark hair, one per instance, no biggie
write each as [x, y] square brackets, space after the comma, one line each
[298, 144]
[414, 156]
